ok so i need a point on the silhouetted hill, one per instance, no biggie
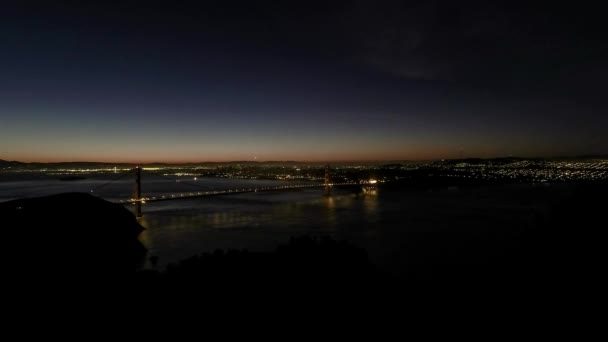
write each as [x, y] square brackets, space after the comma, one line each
[575, 236]
[73, 233]
[303, 260]
[7, 163]
[502, 160]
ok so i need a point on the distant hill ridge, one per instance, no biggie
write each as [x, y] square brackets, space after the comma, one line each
[88, 164]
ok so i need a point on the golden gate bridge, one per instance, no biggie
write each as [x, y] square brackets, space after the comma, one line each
[139, 198]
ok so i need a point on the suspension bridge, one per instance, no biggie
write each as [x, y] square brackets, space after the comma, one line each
[138, 198]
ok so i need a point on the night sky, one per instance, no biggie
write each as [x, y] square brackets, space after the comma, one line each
[179, 81]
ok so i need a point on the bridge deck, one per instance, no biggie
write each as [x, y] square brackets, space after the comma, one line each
[195, 194]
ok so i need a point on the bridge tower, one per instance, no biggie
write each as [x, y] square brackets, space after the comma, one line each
[137, 192]
[327, 184]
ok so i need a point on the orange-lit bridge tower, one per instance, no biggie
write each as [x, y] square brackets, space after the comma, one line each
[327, 183]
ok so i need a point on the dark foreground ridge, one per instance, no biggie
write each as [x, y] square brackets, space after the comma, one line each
[70, 233]
[302, 261]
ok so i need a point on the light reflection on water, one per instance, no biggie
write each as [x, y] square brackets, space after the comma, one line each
[248, 221]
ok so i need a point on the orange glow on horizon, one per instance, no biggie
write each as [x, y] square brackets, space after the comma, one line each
[418, 153]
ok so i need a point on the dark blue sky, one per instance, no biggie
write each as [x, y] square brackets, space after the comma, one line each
[304, 80]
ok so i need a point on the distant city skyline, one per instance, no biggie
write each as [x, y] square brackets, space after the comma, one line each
[263, 81]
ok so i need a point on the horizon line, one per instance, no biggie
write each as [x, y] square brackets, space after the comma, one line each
[300, 161]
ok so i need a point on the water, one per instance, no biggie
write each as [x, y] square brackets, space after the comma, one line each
[122, 189]
[378, 220]
[253, 221]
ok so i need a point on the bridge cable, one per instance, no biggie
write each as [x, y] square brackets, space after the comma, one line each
[97, 188]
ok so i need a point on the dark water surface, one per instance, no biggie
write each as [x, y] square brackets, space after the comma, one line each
[378, 220]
